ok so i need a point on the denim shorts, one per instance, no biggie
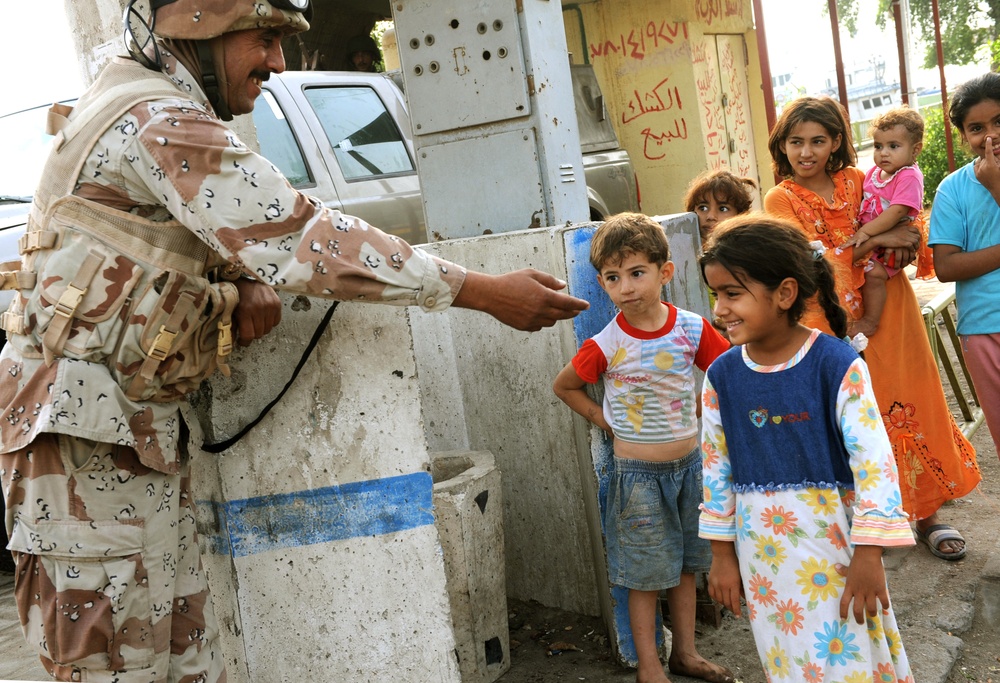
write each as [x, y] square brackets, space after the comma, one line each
[652, 523]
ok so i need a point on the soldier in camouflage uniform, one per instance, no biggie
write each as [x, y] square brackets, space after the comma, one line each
[154, 241]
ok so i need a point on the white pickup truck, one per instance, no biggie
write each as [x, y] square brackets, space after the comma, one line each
[345, 138]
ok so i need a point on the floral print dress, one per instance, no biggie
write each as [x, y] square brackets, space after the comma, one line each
[936, 461]
[789, 541]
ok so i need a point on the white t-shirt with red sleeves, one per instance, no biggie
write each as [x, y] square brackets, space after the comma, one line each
[649, 383]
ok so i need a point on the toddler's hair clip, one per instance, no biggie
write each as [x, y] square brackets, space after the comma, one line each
[817, 249]
[859, 342]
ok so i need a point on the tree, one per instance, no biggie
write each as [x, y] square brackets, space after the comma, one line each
[966, 25]
[933, 158]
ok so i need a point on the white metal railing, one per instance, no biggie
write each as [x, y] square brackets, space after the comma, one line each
[937, 313]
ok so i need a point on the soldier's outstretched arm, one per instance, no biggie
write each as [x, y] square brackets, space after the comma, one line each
[239, 204]
[523, 299]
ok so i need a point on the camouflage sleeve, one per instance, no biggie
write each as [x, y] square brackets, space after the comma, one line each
[244, 208]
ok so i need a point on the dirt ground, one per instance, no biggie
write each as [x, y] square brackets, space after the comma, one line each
[934, 602]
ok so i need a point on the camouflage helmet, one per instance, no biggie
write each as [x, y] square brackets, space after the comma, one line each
[205, 19]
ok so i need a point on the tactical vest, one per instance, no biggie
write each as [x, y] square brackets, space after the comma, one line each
[108, 287]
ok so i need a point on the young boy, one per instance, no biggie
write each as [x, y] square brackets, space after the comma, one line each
[893, 191]
[646, 357]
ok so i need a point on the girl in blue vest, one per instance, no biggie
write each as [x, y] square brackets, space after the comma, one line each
[800, 483]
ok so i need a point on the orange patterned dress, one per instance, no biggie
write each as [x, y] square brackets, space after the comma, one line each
[936, 462]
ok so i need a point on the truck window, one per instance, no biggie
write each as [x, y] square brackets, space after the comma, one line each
[277, 142]
[596, 132]
[363, 135]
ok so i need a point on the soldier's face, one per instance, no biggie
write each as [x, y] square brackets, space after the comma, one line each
[251, 56]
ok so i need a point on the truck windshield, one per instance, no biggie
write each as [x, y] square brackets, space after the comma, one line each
[364, 137]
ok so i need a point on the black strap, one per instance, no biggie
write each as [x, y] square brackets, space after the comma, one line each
[223, 445]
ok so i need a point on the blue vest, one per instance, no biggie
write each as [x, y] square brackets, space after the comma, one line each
[782, 428]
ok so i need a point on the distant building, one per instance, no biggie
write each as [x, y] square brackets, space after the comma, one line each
[786, 87]
[868, 93]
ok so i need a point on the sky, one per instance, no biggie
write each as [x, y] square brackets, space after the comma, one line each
[40, 65]
[801, 41]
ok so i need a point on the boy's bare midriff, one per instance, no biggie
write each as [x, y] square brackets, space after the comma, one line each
[655, 452]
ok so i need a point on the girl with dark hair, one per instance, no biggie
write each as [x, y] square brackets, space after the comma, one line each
[800, 485]
[966, 240]
[821, 194]
[717, 195]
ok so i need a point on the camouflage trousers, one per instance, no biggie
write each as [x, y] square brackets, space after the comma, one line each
[109, 583]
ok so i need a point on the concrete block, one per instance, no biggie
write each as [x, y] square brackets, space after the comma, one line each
[322, 553]
[469, 517]
[989, 589]
[487, 387]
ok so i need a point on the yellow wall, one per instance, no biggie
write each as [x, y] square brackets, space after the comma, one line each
[658, 64]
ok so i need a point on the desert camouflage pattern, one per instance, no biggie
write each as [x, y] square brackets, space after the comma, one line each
[109, 573]
[169, 166]
[93, 469]
[204, 19]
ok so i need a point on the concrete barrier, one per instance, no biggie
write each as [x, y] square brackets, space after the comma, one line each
[321, 548]
[468, 512]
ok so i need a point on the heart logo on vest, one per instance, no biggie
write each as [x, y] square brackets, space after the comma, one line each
[758, 417]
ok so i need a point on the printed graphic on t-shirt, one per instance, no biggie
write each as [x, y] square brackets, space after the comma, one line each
[760, 417]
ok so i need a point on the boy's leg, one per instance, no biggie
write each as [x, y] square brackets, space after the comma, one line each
[874, 295]
[642, 606]
[684, 658]
[630, 538]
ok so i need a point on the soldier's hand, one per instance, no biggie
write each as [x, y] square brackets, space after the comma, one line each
[258, 311]
[525, 299]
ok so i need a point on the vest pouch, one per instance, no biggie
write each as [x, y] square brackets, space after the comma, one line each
[76, 310]
[176, 335]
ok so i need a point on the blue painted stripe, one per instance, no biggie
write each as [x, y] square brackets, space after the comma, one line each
[333, 513]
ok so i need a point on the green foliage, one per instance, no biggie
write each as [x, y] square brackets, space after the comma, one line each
[965, 25]
[847, 15]
[933, 159]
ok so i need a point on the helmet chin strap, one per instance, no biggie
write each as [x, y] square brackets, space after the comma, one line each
[213, 76]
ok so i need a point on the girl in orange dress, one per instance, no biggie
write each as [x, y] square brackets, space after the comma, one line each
[811, 148]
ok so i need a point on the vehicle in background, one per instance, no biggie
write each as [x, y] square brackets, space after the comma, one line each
[346, 139]
[611, 183]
